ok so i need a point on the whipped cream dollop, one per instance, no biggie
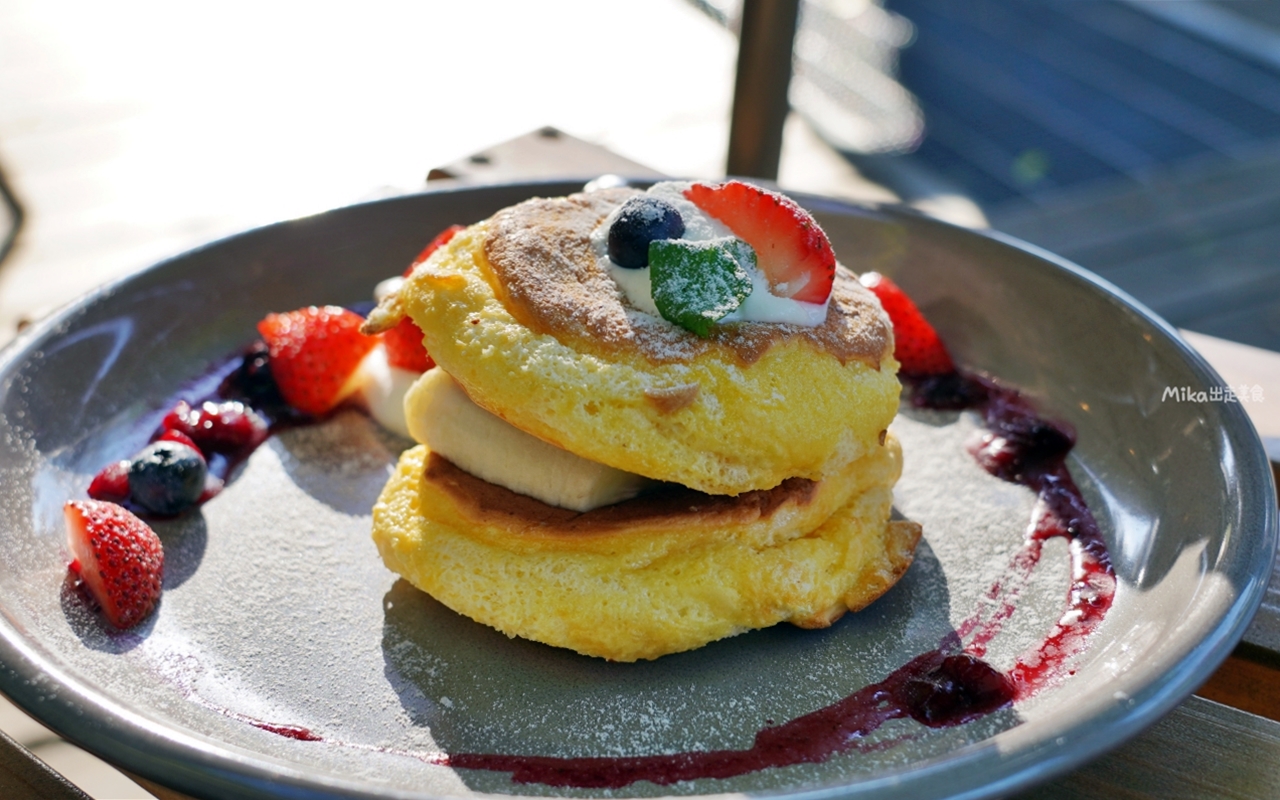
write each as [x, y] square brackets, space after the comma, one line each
[761, 305]
[383, 387]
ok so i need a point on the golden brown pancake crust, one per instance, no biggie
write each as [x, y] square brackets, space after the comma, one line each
[548, 277]
[659, 588]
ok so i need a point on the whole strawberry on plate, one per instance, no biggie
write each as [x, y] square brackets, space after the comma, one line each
[917, 347]
[118, 557]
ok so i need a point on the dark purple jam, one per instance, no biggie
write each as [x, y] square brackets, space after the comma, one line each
[1023, 448]
[935, 689]
[278, 728]
[251, 382]
[952, 391]
[946, 690]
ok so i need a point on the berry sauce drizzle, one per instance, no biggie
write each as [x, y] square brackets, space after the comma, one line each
[941, 688]
[936, 689]
[1021, 447]
[944, 687]
[278, 728]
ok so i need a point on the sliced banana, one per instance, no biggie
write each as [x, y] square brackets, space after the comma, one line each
[441, 416]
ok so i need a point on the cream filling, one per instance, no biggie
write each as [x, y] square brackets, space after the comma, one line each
[383, 387]
[441, 416]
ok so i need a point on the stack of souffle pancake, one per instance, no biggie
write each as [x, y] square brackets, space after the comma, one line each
[766, 444]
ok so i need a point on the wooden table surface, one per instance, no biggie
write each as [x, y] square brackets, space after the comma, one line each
[1224, 742]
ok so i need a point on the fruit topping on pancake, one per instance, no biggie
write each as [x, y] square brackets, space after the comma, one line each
[718, 253]
[639, 222]
[697, 284]
[792, 250]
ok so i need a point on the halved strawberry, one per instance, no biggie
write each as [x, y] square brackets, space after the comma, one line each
[313, 352]
[442, 238]
[791, 250]
[118, 557]
[405, 349]
[917, 347]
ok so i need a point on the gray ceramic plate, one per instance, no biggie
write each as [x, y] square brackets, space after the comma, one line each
[278, 611]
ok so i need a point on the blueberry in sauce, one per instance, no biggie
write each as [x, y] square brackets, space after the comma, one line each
[252, 380]
[642, 220]
[167, 477]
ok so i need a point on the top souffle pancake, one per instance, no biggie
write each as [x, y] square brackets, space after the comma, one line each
[520, 311]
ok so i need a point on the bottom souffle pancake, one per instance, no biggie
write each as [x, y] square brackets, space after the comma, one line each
[668, 571]
[657, 419]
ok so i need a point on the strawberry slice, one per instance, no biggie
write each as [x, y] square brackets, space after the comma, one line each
[405, 349]
[917, 347]
[442, 238]
[791, 250]
[172, 435]
[117, 556]
[404, 342]
[313, 352]
[112, 483]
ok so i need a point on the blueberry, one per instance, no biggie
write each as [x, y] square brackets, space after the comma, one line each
[642, 220]
[167, 477]
[252, 379]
